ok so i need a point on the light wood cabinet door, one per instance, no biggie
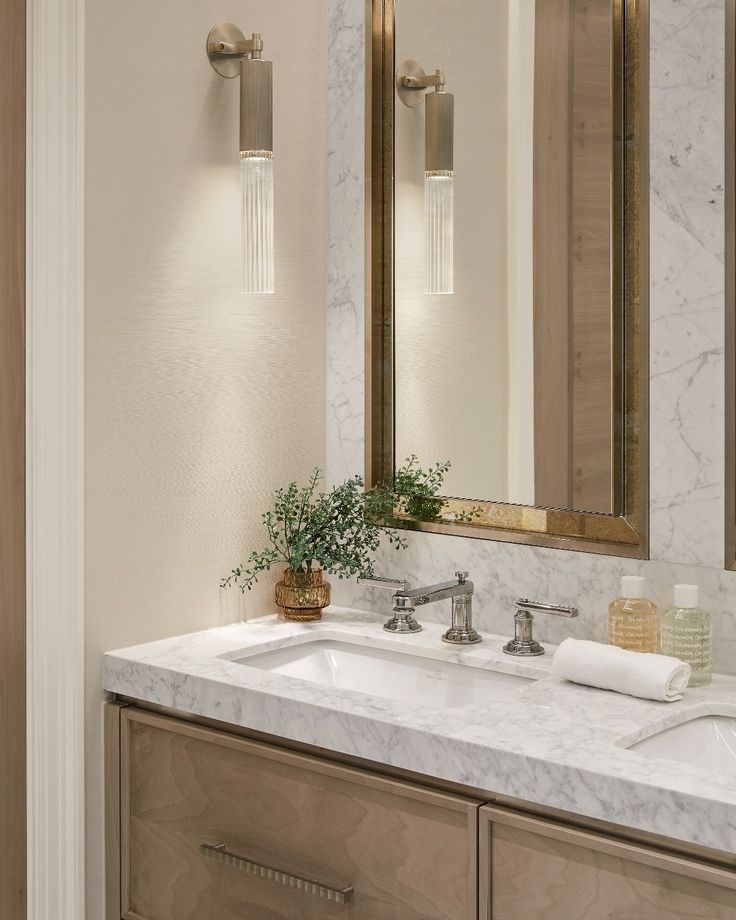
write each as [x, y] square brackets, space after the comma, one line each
[533, 869]
[408, 853]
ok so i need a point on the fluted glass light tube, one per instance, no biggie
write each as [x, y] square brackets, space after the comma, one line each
[256, 176]
[256, 186]
[439, 193]
[439, 230]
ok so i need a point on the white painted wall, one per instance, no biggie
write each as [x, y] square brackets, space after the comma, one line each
[199, 401]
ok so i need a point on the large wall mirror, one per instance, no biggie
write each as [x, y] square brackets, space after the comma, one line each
[507, 304]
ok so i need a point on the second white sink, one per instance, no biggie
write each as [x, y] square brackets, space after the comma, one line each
[382, 672]
[708, 741]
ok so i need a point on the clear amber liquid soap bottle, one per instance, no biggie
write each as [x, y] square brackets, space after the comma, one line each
[633, 620]
[686, 634]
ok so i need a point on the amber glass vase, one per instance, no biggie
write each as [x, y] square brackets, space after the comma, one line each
[302, 595]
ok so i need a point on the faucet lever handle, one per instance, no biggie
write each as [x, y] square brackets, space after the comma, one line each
[390, 584]
[402, 620]
[462, 577]
[559, 610]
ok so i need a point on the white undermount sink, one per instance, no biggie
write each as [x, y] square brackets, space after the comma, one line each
[386, 673]
[706, 741]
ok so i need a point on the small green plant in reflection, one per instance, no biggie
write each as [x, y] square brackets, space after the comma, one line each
[416, 492]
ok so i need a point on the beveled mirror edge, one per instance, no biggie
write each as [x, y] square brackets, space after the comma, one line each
[730, 263]
[624, 535]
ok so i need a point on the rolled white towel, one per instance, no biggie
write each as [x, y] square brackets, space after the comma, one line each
[651, 677]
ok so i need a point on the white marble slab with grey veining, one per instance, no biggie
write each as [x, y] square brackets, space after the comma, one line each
[344, 395]
[550, 742]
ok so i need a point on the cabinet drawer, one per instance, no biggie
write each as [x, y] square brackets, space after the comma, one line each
[218, 827]
[533, 869]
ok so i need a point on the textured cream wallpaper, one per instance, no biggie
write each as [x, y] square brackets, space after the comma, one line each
[199, 400]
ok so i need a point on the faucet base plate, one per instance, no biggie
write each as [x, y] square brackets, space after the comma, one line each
[402, 625]
[462, 637]
[523, 648]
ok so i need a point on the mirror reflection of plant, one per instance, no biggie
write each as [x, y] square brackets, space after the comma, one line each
[339, 530]
[417, 492]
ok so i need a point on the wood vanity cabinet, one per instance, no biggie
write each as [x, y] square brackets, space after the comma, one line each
[535, 869]
[205, 824]
[408, 853]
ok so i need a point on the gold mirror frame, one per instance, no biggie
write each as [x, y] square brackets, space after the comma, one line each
[730, 523]
[625, 532]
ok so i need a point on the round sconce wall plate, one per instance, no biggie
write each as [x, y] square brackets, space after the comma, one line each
[228, 67]
[409, 96]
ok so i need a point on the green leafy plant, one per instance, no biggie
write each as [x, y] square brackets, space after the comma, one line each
[339, 530]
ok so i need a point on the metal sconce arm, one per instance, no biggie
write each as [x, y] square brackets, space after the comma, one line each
[225, 49]
[422, 81]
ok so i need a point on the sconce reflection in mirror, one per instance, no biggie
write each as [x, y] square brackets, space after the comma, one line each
[439, 172]
[232, 55]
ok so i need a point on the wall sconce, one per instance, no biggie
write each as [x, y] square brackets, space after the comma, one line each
[232, 55]
[439, 173]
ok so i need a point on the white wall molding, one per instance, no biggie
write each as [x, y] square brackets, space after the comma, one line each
[55, 454]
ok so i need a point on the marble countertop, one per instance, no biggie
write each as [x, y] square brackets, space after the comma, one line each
[550, 742]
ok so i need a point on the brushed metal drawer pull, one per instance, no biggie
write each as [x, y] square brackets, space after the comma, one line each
[307, 885]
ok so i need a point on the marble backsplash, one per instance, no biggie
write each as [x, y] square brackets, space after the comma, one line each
[687, 349]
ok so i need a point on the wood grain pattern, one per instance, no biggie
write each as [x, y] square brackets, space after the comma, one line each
[534, 868]
[409, 852]
[573, 218]
[592, 270]
[12, 462]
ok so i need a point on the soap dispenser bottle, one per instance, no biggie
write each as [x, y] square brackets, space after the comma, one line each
[686, 634]
[633, 620]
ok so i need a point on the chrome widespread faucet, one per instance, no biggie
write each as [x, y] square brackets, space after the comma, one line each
[524, 643]
[406, 600]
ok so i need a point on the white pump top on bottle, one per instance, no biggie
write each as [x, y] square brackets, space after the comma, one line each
[632, 586]
[686, 596]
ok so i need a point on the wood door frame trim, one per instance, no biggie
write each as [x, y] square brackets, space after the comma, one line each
[54, 458]
[13, 763]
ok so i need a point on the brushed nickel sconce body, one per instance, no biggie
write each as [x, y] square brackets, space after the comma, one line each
[439, 169]
[231, 54]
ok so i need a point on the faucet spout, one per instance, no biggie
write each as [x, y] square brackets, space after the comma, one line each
[406, 600]
[442, 591]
